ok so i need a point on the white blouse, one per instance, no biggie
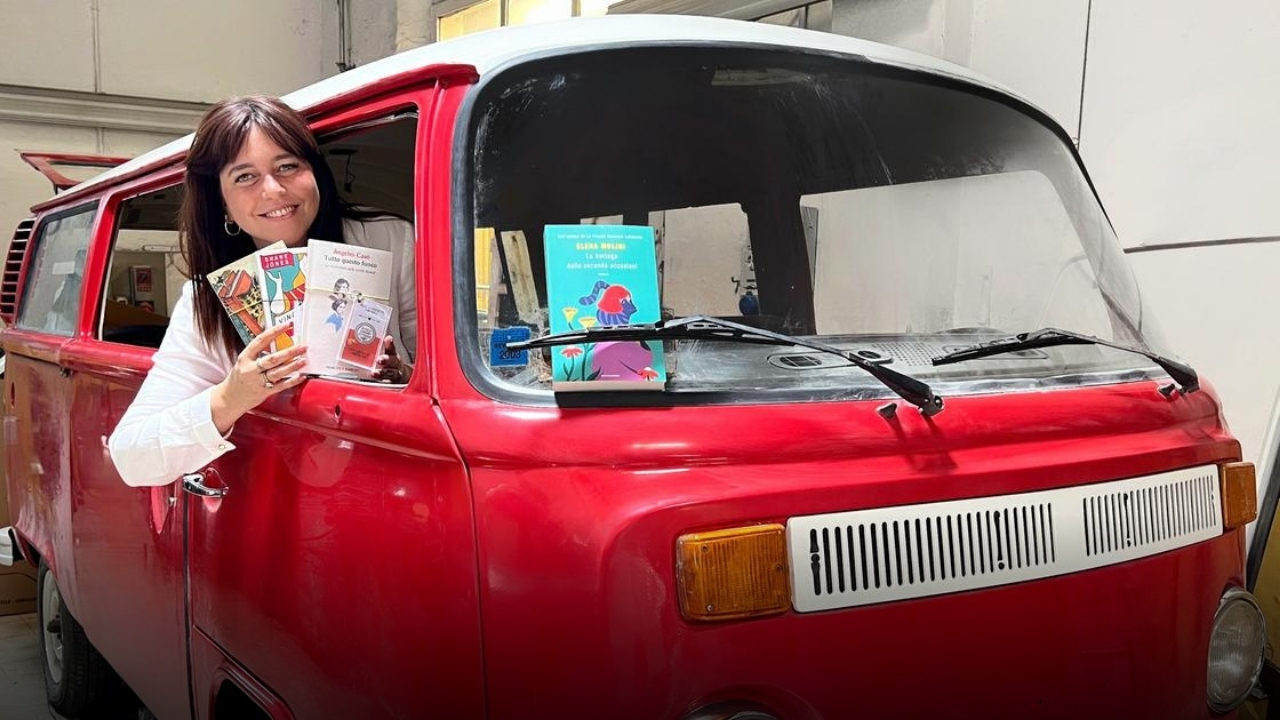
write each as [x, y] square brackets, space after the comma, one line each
[168, 430]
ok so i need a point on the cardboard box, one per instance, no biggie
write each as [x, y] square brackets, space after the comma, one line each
[17, 589]
[17, 582]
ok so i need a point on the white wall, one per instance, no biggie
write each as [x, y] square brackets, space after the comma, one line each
[119, 77]
[1035, 48]
[47, 44]
[22, 186]
[1177, 122]
[178, 50]
[1181, 113]
[1180, 132]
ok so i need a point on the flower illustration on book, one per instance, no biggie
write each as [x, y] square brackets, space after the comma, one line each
[587, 322]
[571, 352]
[648, 373]
[569, 314]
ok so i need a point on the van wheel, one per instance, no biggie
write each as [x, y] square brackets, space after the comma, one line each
[75, 675]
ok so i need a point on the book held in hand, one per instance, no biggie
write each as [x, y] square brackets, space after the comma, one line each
[283, 278]
[362, 333]
[339, 278]
[238, 286]
[602, 276]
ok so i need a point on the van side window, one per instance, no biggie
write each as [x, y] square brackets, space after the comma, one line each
[51, 299]
[146, 270]
[372, 163]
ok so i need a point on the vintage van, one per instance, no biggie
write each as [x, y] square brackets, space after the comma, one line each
[921, 451]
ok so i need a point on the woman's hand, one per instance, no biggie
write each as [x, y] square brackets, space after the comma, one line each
[390, 367]
[257, 375]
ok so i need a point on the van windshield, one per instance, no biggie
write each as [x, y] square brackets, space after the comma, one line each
[890, 213]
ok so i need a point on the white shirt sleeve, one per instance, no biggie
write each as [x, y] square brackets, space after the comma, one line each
[168, 430]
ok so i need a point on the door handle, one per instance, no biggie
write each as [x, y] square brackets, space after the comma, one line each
[64, 371]
[194, 484]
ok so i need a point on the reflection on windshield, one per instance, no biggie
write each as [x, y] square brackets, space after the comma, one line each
[831, 199]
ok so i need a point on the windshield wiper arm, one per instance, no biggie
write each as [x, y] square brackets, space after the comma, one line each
[1186, 378]
[702, 327]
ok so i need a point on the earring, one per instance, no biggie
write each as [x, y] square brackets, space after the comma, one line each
[230, 227]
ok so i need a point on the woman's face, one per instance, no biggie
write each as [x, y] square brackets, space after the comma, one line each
[269, 192]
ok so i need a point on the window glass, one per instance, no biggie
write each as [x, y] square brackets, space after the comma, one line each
[146, 270]
[484, 15]
[706, 261]
[373, 165]
[813, 196]
[51, 300]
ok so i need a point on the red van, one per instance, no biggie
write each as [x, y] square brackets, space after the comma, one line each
[921, 450]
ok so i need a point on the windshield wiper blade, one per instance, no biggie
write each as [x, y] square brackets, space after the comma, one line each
[702, 327]
[1186, 378]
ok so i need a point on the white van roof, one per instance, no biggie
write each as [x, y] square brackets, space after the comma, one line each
[490, 50]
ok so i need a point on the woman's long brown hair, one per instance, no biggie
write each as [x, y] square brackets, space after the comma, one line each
[206, 246]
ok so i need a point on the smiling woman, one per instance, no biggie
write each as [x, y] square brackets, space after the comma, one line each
[255, 176]
[269, 192]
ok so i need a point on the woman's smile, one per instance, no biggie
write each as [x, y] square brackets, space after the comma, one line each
[269, 192]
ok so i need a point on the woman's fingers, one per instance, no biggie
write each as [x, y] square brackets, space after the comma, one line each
[390, 366]
[262, 343]
[284, 370]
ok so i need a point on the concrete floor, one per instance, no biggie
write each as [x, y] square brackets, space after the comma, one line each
[22, 677]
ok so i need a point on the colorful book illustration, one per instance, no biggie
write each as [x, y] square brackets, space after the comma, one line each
[339, 277]
[362, 333]
[599, 276]
[283, 278]
[239, 288]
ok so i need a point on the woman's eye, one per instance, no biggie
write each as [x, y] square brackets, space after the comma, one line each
[287, 169]
[243, 178]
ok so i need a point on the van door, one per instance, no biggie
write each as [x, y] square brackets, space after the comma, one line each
[332, 553]
[128, 543]
[37, 389]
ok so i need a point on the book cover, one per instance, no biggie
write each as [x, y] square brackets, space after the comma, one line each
[283, 279]
[337, 277]
[599, 276]
[239, 289]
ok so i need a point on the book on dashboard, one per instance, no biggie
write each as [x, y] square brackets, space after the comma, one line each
[238, 286]
[346, 309]
[602, 276]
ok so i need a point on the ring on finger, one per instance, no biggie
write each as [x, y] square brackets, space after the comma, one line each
[266, 382]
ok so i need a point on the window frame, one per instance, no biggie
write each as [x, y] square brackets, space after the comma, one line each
[31, 284]
[116, 203]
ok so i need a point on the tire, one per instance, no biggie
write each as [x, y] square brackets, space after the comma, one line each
[76, 677]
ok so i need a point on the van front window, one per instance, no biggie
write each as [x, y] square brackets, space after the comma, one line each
[887, 213]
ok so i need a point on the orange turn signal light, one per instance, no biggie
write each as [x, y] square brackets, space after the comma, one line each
[1239, 494]
[733, 573]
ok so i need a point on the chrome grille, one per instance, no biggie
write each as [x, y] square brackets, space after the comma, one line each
[863, 557]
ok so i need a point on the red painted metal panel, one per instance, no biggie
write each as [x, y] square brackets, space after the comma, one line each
[340, 568]
[128, 543]
[45, 162]
[578, 513]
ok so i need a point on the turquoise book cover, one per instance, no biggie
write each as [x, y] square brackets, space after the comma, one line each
[601, 276]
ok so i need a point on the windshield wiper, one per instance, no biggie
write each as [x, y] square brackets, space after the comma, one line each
[1186, 378]
[701, 327]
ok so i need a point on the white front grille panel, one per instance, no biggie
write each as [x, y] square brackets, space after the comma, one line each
[872, 556]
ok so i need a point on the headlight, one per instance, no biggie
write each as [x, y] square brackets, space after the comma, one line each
[1235, 649]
